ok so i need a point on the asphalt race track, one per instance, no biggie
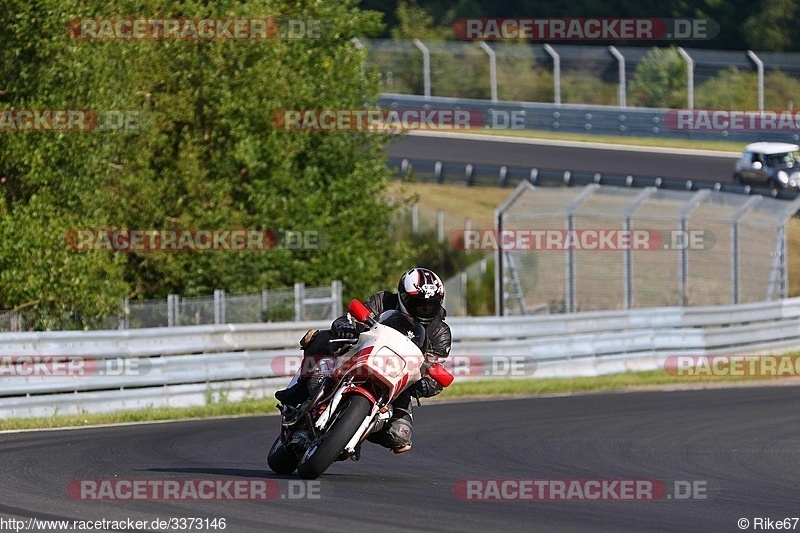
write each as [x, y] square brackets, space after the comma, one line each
[741, 445]
[664, 165]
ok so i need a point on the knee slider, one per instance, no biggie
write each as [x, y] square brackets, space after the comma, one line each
[400, 432]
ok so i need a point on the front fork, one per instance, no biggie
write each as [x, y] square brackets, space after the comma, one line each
[375, 421]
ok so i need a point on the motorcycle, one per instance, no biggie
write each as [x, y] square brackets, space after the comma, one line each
[351, 395]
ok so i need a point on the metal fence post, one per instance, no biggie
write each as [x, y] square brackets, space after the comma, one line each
[415, 219]
[760, 67]
[569, 285]
[336, 297]
[627, 266]
[426, 67]
[689, 77]
[499, 213]
[440, 225]
[621, 91]
[775, 274]
[556, 73]
[735, 261]
[735, 245]
[463, 302]
[124, 321]
[299, 303]
[219, 306]
[492, 68]
[693, 202]
[779, 261]
[170, 311]
[784, 263]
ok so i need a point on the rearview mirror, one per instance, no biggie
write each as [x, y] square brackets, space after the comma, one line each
[757, 165]
[358, 310]
[440, 375]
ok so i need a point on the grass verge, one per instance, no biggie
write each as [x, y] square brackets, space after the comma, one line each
[246, 407]
[494, 388]
[611, 382]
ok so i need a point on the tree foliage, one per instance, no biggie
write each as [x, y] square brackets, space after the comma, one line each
[772, 26]
[767, 25]
[206, 155]
[660, 80]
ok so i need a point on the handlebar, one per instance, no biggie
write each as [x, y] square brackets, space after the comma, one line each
[343, 341]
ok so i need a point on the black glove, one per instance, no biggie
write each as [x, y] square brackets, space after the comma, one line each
[342, 328]
[426, 387]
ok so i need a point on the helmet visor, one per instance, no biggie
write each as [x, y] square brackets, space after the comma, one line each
[424, 308]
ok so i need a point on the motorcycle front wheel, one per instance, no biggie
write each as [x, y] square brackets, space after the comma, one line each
[281, 460]
[351, 413]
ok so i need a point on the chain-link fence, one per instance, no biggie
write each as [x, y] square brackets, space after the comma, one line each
[300, 303]
[422, 220]
[600, 248]
[463, 295]
[580, 74]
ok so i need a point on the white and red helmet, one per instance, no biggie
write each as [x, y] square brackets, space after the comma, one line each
[421, 294]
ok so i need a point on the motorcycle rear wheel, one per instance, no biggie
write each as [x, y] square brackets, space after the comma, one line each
[323, 453]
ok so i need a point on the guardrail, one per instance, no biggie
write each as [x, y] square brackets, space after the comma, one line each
[510, 176]
[197, 364]
[574, 118]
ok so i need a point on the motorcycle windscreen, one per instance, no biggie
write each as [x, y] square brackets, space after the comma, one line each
[406, 325]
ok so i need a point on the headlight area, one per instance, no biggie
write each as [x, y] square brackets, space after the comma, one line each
[783, 177]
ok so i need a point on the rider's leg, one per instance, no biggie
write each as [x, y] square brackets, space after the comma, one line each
[314, 343]
[396, 434]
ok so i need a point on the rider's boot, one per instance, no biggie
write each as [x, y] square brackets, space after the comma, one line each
[294, 395]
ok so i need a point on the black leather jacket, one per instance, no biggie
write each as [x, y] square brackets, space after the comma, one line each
[438, 332]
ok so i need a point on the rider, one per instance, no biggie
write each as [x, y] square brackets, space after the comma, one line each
[419, 294]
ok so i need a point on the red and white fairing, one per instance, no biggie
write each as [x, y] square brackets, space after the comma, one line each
[379, 367]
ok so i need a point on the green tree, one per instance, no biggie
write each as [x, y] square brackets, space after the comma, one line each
[770, 29]
[207, 155]
[660, 80]
[415, 22]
